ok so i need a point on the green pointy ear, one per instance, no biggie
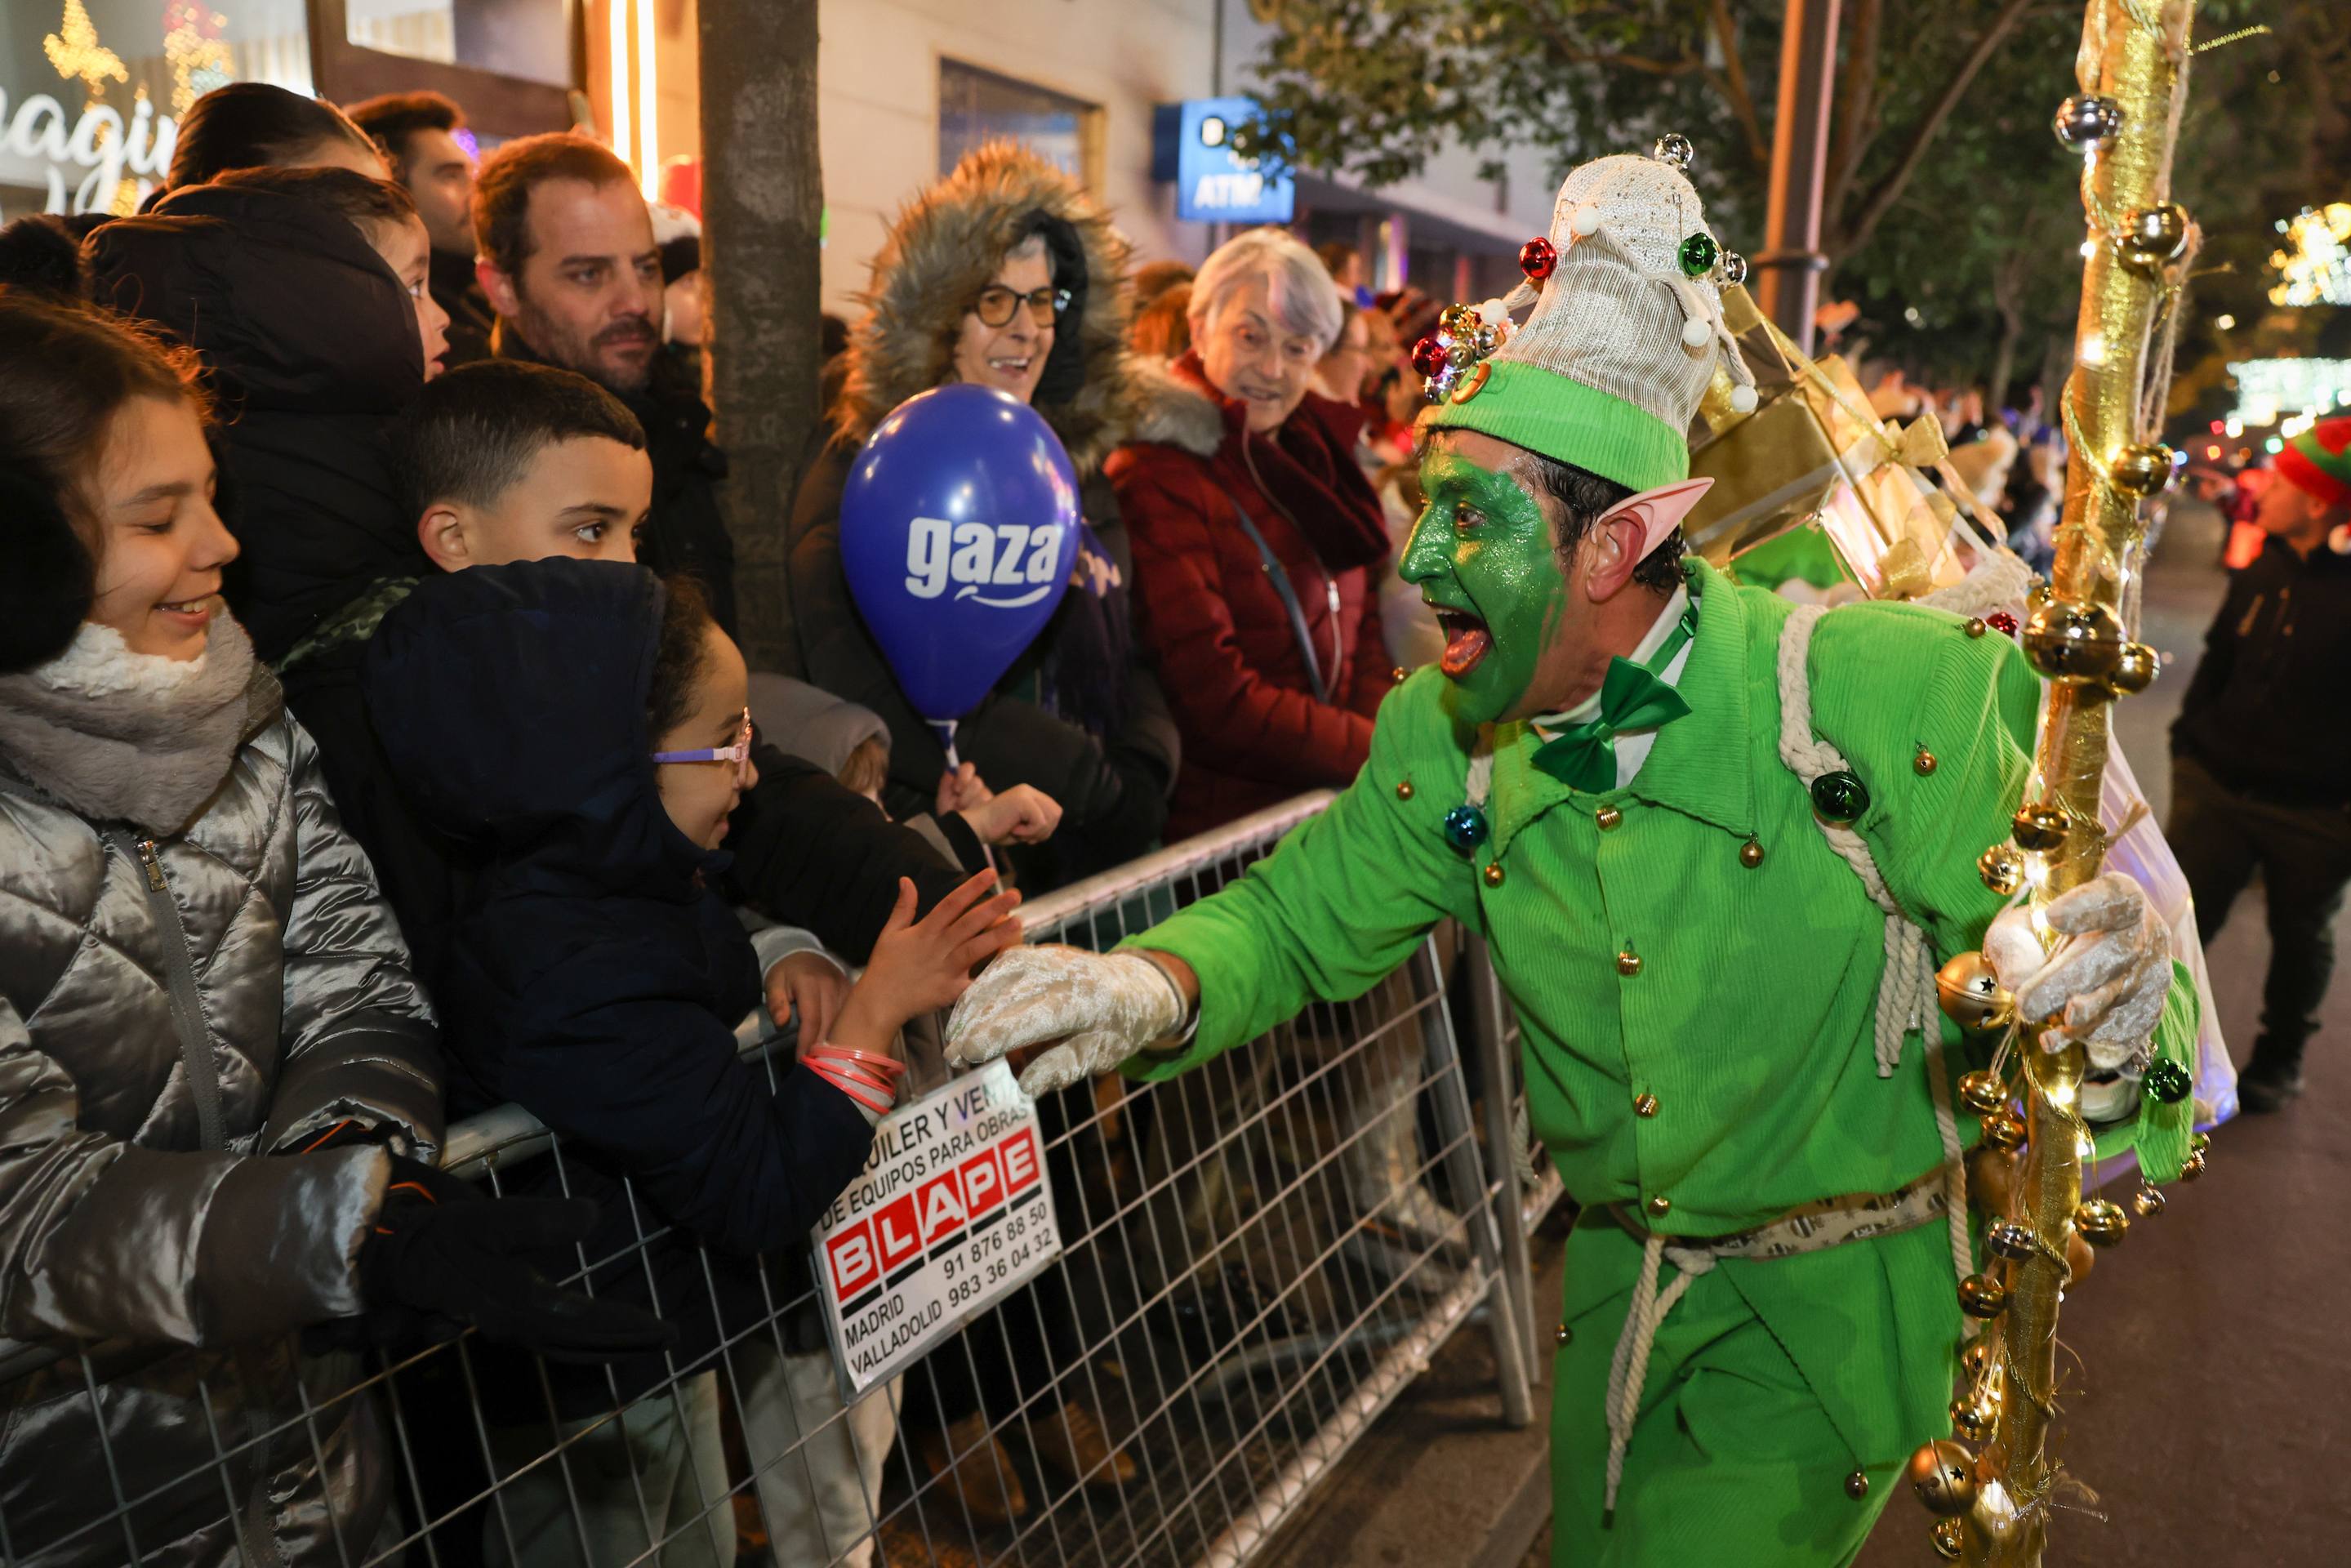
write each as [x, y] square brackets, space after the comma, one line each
[1659, 511]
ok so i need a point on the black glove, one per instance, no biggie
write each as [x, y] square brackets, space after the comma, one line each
[443, 1254]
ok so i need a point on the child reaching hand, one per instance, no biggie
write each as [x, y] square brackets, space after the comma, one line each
[585, 727]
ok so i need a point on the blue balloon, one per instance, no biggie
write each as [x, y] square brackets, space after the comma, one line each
[958, 532]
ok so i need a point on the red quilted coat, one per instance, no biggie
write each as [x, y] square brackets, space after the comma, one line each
[1254, 733]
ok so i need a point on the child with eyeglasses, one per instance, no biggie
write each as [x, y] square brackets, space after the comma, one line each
[585, 725]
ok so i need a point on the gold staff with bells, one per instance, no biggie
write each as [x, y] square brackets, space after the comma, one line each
[1993, 1500]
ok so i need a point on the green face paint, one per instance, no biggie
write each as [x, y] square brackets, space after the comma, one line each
[1482, 556]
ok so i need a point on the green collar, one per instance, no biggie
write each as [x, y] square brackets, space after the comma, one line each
[1701, 765]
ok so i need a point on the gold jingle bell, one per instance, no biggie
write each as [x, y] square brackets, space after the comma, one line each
[1943, 1474]
[2004, 1131]
[2147, 1201]
[2194, 1168]
[2039, 829]
[1949, 1539]
[2141, 471]
[1978, 1355]
[2152, 238]
[2135, 669]
[2074, 641]
[2002, 870]
[2011, 1239]
[1982, 1093]
[1981, 1296]
[2100, 1222]
[1974, 1415]
[1924, 763]
[1971, 995]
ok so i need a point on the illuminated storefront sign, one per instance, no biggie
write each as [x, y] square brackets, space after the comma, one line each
[91, 91]
[85, 159]
[1193, 146]
[2293, 390]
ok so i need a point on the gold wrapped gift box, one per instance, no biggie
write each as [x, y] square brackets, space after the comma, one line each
[1813, 452]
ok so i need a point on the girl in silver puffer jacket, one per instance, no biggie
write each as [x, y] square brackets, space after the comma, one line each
[219, 1085]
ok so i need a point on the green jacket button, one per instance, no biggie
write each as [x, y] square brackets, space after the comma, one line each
[1661, 1205]
[1645, 1105]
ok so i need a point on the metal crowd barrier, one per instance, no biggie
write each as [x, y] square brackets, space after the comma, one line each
[1256, 1257]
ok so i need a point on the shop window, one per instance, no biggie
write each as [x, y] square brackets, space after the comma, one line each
[91, 91]
[977, 105]
[530, 39]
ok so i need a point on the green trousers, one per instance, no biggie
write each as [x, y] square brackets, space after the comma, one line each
[1740, 1458]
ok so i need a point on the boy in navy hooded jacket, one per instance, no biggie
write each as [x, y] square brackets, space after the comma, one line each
[596, 978]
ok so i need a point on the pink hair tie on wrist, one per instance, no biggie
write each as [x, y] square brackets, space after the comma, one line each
[867, 1059]
[834, 1068]
[871, 1095]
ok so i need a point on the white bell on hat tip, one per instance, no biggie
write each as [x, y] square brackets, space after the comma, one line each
[1742, 398]
[1694, 332]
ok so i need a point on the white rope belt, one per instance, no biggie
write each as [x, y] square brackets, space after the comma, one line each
[1812, 1227]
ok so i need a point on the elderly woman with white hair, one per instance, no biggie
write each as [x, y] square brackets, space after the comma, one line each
[1256, 537]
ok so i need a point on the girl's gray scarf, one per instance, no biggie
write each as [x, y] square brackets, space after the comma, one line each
[131, 738]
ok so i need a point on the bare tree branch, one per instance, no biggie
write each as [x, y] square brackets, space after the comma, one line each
[1854, 125]
[1850, 234]
[1733, 84]
[1563, 47]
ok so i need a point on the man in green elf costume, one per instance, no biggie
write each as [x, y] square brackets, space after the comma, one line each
[1719, 845]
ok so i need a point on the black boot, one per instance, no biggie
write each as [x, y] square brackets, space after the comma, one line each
[2272, 1078]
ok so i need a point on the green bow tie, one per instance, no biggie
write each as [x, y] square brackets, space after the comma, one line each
[1633, 696]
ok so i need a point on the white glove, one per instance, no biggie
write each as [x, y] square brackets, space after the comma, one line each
[1102, 1008]
[2108, 977]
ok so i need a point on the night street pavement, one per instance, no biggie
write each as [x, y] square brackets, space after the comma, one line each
[2212, 1410]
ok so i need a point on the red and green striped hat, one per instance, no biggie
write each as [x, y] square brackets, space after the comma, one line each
[2318, 462]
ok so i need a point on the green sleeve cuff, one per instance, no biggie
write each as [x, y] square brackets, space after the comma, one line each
[2158, 1134]
[1214, 1035]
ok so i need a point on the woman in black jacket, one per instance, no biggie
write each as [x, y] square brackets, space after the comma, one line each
[1080, 716]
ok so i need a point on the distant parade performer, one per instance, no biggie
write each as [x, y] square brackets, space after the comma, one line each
[1718, 845]
[2261, 770]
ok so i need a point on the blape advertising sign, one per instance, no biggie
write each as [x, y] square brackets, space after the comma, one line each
[952, 1213]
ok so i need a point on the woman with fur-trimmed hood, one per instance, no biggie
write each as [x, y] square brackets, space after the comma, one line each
[1004, 274]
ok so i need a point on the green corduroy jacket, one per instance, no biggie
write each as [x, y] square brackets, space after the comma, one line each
[1751, 1018]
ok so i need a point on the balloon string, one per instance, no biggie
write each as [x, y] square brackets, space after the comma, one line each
[946, 729]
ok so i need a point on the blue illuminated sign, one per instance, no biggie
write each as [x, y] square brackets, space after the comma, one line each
[1193, 146]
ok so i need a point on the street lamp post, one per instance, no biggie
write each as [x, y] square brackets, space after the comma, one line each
[1788, 273]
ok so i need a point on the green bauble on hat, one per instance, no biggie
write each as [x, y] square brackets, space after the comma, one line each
[1625, 335]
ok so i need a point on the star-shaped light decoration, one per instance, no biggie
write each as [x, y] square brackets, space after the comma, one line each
[77, 54]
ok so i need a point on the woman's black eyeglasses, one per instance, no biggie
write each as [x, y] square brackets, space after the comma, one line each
[996, 304]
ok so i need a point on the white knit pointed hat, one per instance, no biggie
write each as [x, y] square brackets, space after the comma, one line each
[1625, 335]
